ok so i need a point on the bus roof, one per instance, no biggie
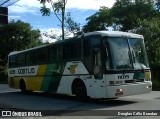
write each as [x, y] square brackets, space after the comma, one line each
[16, 52]
[114, 34]
[102, 33]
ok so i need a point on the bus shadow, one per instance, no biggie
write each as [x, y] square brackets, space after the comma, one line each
[59, 104]
[102, 102]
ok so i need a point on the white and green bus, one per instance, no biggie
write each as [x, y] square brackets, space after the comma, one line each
[99, 64]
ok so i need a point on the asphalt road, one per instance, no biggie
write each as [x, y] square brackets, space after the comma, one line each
[69, 107]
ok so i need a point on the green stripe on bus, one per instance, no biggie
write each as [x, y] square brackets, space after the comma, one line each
[52, 77]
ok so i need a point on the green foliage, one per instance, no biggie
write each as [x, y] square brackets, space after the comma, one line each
[3, 74]
[151, 32]
[127, 14]
[58, 8]
[124, 15]
[156, 84]
[16, 36]
[45, 11]
[71, 25]
[98, 21]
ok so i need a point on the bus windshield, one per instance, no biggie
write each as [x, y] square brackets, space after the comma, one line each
[127, 53]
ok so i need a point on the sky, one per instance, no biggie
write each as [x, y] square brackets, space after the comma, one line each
[29, 11]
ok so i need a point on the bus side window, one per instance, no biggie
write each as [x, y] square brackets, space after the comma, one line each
[53, 55]
[41, 56]
[76, 50]
[60, 53]
[12, 61]
[66, 51]
[29, 59]
[20, 60]
[87, 48]
[87, 55]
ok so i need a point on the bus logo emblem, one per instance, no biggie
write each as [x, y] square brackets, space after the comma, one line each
[72, 68]
[123, 76]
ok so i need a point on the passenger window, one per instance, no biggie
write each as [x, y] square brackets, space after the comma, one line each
[12, 61]
[66, 51]
[20, 60]
[41, 56]
[86, 50]
[76, 50]
[29, 59]
[53, 54]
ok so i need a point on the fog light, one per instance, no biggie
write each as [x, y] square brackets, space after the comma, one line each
[119, 92]
[148, 86]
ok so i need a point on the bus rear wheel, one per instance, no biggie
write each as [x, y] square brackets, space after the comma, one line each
[79, 89]
[22, 86]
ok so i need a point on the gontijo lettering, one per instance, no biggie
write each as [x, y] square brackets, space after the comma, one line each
[26, 71]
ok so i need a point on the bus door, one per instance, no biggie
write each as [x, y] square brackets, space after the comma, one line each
[93, 62]
[97, 64]
[99, 80]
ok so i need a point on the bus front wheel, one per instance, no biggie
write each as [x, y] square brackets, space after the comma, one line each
[79, 89]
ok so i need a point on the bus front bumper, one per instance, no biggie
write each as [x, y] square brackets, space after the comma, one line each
[128, 89]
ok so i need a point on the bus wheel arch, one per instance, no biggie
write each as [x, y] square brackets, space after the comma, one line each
[79, 88]
[22, 86]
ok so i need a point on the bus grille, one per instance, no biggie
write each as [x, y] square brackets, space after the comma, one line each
[135, 80]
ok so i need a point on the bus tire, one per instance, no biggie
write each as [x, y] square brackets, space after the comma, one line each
[79, 89]
[22, 86]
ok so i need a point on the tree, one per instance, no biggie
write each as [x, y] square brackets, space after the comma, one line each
[59, 10]
[98, 21]
[71, 25]
[16, 36]
[124, 15]
[72, 28]
[128, 13]
[151, 32]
